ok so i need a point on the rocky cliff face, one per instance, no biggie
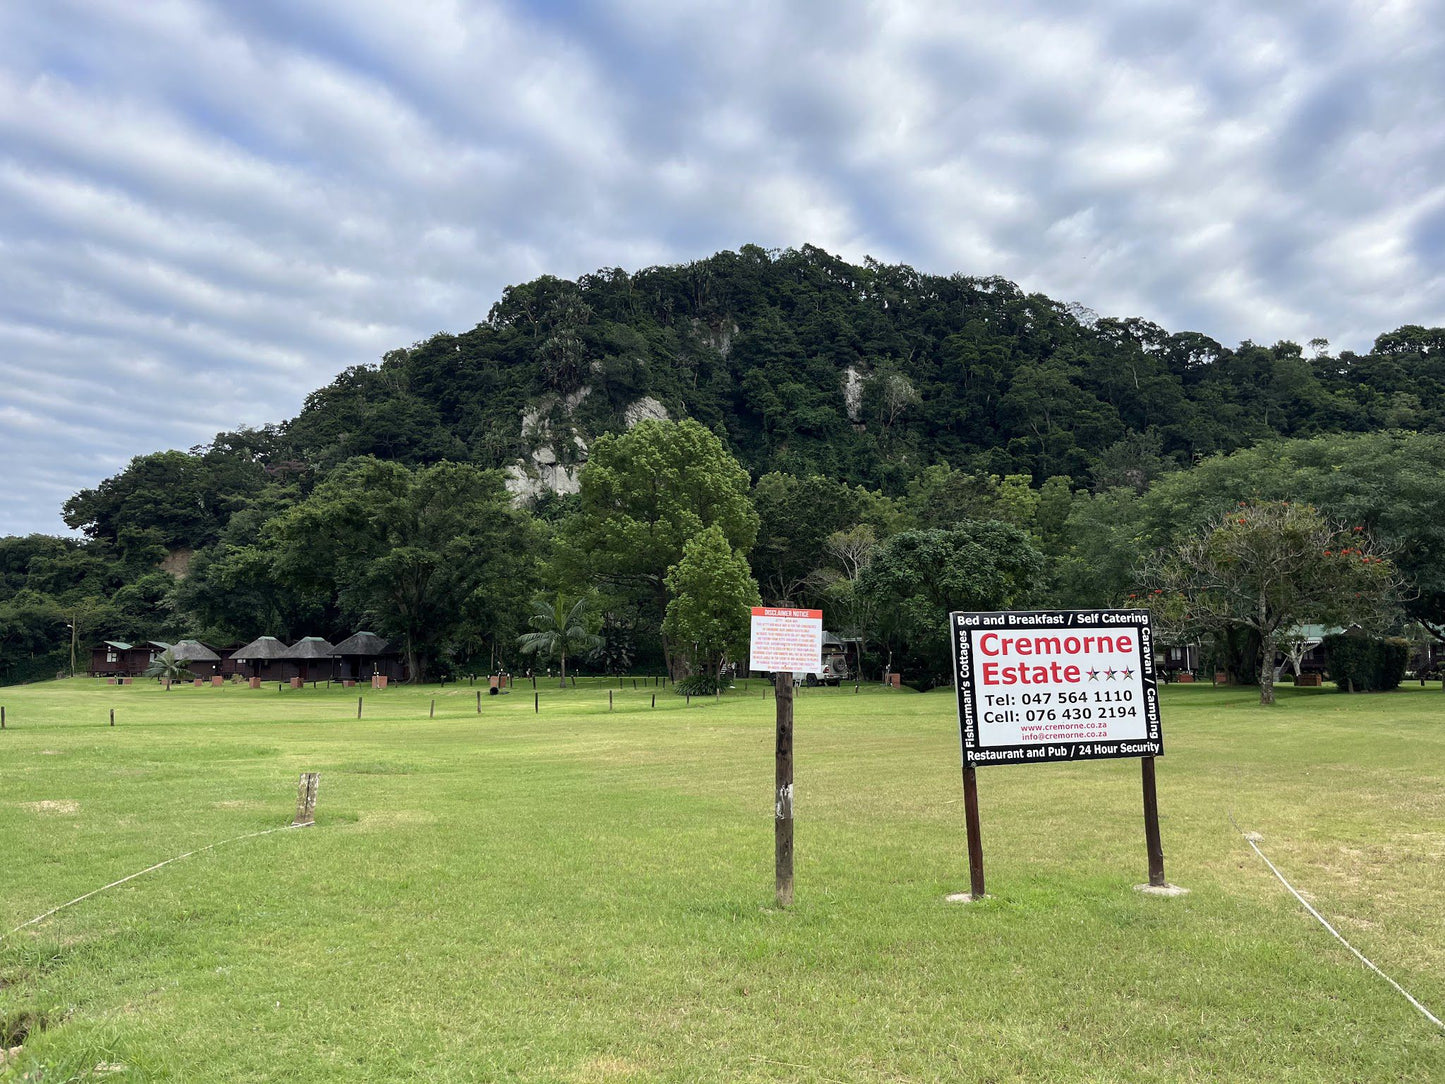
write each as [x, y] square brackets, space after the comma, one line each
[559, 447]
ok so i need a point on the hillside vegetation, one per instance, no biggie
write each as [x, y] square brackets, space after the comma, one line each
[868, 399]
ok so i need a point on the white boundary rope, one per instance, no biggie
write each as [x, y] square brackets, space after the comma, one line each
[1338, 936]
[148, 869]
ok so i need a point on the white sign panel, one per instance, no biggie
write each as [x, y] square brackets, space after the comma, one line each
[786, 639]
[1050, 685]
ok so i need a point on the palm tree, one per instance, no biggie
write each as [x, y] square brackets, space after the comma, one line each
[168, 668]
[559, 629]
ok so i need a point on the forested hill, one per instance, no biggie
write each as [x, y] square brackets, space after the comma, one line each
[870, 397]
[805, 364]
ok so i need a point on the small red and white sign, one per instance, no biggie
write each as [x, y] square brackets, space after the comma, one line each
[786, 639]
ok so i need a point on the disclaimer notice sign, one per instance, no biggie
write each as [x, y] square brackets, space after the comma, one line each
[786, 639]
[1054, 685]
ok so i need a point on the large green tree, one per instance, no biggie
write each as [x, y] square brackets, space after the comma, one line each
[413, 551]
[916, 578]
[712, 595]
[644, 494]
[796, 517]
[1391, 484]
[1270, 565]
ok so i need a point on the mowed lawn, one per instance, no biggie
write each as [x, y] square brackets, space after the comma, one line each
[580, 895]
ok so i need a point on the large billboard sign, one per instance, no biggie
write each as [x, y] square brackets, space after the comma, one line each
[1055, 685]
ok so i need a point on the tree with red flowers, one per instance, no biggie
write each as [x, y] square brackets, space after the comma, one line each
[1268, 566]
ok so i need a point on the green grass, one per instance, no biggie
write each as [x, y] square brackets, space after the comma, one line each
[580, 895]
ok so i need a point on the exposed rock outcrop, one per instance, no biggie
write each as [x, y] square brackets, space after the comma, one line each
[543, 471]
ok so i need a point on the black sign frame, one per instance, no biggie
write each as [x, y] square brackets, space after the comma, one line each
[1052, 621]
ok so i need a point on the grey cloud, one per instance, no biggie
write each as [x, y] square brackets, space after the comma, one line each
[238, 200]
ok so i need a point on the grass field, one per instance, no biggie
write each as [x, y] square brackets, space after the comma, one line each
[580, 895]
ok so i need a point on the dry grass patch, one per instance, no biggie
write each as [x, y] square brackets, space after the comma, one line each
[607, 1067]
[65, 806]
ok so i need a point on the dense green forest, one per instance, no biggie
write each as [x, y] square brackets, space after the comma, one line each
[856, 432]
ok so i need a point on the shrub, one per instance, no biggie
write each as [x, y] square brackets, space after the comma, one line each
[696, 685]
[1366, 663]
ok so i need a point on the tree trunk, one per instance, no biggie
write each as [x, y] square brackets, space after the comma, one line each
[1266, 668]
[564, 669]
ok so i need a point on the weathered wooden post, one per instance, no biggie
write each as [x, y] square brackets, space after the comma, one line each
[654, 700]
[112, 716]
[479, 701]
[2, 718]
[358, 707]
[783, 790]
[973, 831]
[306, 799]
[609, 699]
[536, 703]
[433, 713]
[1152, 842]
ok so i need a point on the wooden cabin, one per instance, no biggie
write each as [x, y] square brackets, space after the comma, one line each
[1179, 658]
[365, 655]
[313, 658]
[264, 659]
[202, 661]
[108, 659]
[229, 665]
[1428, 658]
[140, 656]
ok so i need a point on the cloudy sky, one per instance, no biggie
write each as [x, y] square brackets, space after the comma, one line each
[209, 208]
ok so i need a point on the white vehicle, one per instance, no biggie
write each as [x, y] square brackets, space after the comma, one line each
[839, 663]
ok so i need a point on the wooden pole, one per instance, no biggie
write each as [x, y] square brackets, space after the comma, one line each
[536, 703]
[479, 701]
[783, 791]
[975, 836]
[358, 707]
[112, 716]
[609, 699]
[654, 700]
[1151, 824]
[306, 799]
[2, 716]
[433, 714]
